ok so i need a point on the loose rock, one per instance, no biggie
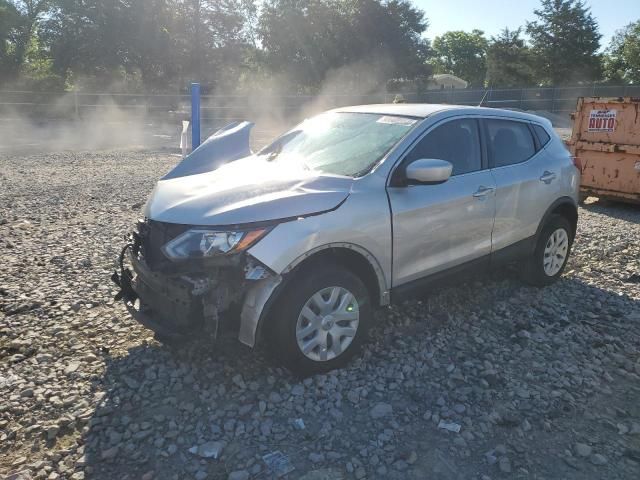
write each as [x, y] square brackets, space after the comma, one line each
[87, 391]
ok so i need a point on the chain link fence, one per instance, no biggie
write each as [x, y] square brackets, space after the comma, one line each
[558, 100]
[50, 105]
[161, 114]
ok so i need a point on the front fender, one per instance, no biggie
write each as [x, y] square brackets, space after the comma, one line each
[262, 296]
[361, 224]
[373, 262]
[256, 302]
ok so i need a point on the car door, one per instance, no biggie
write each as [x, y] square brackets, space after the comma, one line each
[436, 227]
[526, 180]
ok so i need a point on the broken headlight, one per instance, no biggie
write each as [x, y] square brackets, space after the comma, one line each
[203, 243]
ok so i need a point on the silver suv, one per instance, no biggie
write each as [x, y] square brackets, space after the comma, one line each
[294, 246]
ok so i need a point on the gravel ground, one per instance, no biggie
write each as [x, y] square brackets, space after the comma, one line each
[490, 379]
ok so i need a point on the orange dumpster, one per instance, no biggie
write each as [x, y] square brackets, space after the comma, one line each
[606, 142]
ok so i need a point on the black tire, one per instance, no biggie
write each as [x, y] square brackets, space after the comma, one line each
[534, 272]
[281, 327]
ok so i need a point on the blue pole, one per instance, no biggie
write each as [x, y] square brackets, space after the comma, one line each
[195, 115]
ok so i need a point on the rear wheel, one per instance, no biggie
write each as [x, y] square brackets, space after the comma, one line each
[320, 321]
[551, 254]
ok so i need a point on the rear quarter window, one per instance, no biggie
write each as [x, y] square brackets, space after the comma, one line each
[510, 142]
[543, 136]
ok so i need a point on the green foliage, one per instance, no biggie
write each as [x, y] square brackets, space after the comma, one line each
[622, 63]
[509, 61]
[463, 54]
[308, 39]
[11, 25]
[36, 71]
[22, 58]
[165, 43]
[292, 45]
[565, 41]
[31, 12]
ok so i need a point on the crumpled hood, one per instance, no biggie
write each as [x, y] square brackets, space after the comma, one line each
[245, 191]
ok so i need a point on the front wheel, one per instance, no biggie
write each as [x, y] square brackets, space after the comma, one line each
[551, 254]
[320, 320]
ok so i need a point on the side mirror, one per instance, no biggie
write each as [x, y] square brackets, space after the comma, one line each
[428, 171]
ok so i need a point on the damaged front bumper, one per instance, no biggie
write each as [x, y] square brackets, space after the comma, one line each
[172, 306]
[185, 300]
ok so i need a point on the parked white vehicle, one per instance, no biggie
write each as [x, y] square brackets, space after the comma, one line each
[350, 210]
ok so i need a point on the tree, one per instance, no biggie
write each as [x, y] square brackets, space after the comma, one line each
[301, 38]
[89, 38]
[212, 39]
[462, 54]
[622, 62]
[11, 24]
[22, 56]
[31, 11]
[509, 61]
[156, 43]
[305, 40]
[565, 41]
[391, 29]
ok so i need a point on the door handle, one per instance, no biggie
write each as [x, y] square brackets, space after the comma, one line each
[483, 191]
[548, 177]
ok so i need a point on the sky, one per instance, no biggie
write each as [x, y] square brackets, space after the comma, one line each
[493, 15]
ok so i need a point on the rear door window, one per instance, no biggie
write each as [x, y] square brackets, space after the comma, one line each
[456, 141]
[509, 142]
